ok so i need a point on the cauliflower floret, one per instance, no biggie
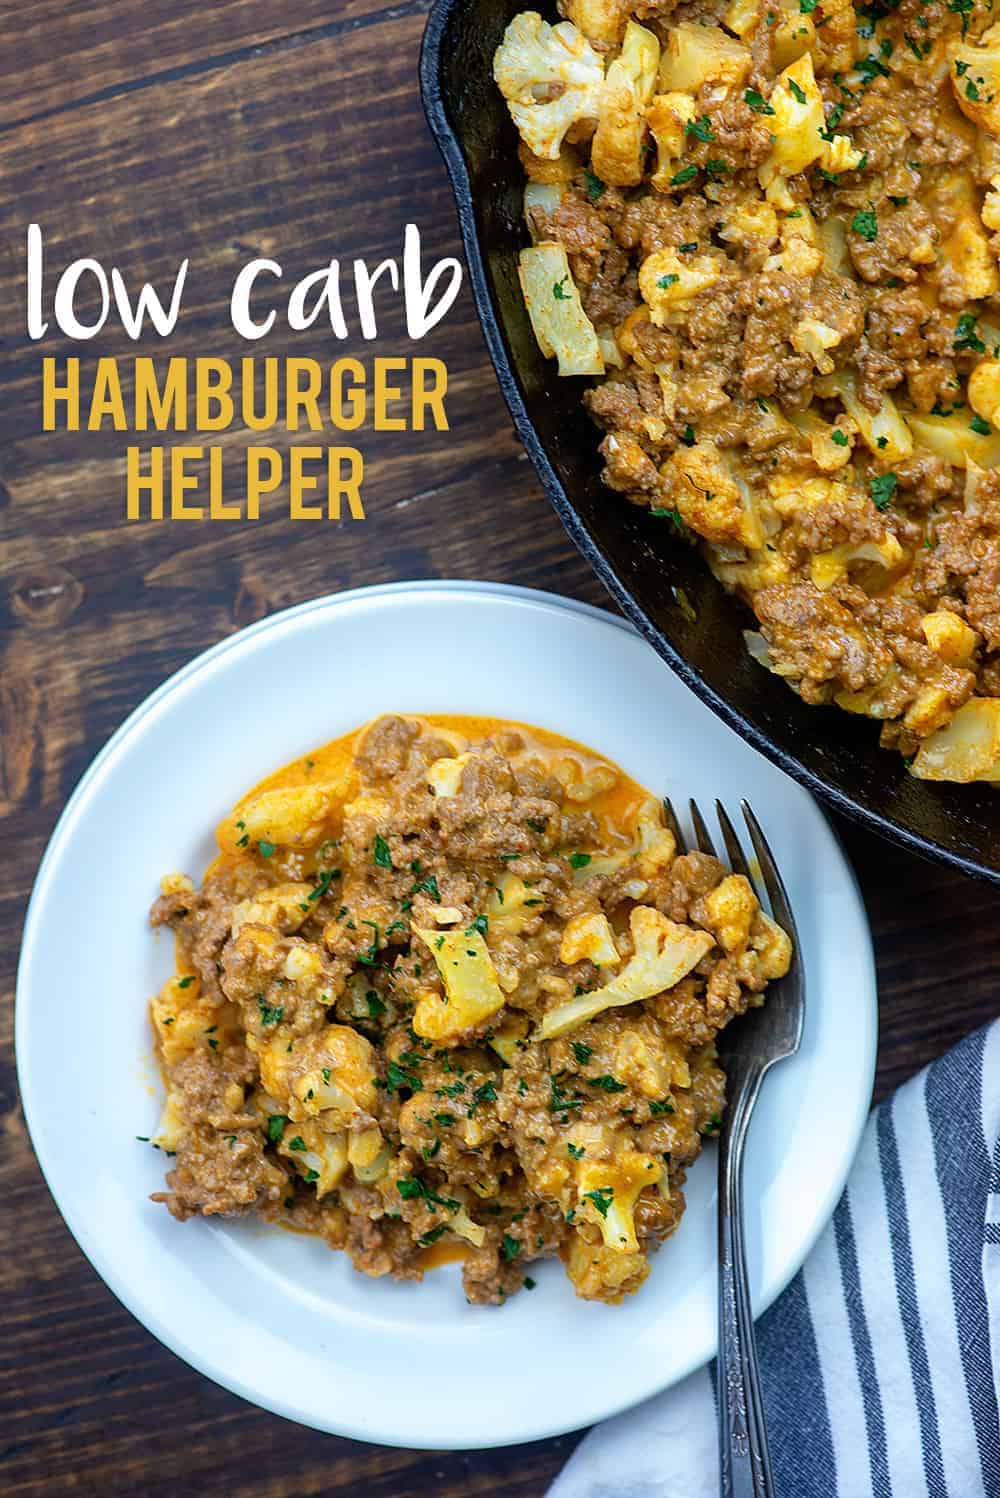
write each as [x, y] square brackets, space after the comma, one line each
[798, 119]
[472, 992]
[444, 776]
[967, 749]
[601, 21]
[512, 903]
[669, 281]
[701, 54]
[608, 1192]
[329, 1076]
[600, 1273]
[589, 938]
[550, 76]
[666, 117]
[711, 500]
[368, 1154]
[730, 909]
[616, 153]
[885, 432]
[292, 816]
[664, 953]
[984, 390]
[283, 908]
[950, 637]
[952, 438]
[974, 69]
[752, 219]
[812, 337]
[320, 1158]
[967, 253]
[657, 844]
[829, 567]
[562, 328]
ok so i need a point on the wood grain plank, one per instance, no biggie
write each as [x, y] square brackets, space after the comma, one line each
[67, 54]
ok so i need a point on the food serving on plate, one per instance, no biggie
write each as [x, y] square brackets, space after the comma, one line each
[771, 231]
[448, 990]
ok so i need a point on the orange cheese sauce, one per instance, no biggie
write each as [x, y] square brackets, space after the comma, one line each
[333, 764]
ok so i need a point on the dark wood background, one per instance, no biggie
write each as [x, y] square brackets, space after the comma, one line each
[141, 131]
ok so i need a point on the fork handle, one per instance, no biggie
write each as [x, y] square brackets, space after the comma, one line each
[744, 1462]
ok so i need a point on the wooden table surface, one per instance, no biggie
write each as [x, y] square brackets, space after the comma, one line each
[141, 131]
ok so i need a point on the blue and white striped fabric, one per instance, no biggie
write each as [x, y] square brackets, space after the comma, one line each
[881, 1361]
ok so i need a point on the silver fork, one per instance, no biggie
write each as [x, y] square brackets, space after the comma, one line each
[748, 1048]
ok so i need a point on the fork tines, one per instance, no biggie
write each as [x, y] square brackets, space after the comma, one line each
[762, 869]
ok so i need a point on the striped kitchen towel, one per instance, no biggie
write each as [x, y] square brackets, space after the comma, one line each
[881, 1361]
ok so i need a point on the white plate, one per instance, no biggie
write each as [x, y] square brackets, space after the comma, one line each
[276, 1317]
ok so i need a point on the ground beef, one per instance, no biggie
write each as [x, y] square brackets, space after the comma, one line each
[329, 1073]
[829, 308]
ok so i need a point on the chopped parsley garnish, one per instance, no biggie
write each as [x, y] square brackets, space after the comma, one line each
[595, 187]
[529, 1283]
[687, 249]
[971, 91]
[576, 1152]
[432, 1235]
[480, 924]
[798, 92]
[561, 1102]
[579, 860]
[324, 879]
[380, 852]
[966, 336]
[757, 102]
[839, 437]
[582, 1052]
[270, 1014]
[559, 290]
[370, 957]
[688, 436]
[870, 68]
[601, 1198]
[185, 982]
[807, 6]
[486, 1093]
[397, 1076]
[665, 282]
[312, 1175]
[607, 1083]
[510, 1246]
[266, 849]
[977, 424]
[686, 174]
[411, 1187]
[276, 1123]
[700, 129]
[882, 488]
[963, 8]
[661, 1106]
[674, 515]
[714, 1125]
[376, 1008]
[715, 167]
[298, 1143]
[535, 826]
[866, 224]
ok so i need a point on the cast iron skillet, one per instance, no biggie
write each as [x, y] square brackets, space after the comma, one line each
[834, 754]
